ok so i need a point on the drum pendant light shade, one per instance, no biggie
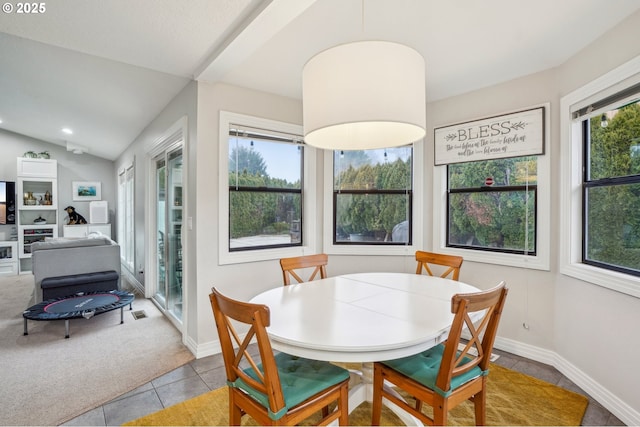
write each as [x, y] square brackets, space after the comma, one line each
[364, 95]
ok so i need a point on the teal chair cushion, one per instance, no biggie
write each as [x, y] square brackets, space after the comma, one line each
[300, 379]
[423, 368]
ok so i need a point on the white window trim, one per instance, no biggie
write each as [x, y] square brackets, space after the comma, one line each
[571, 179]
[126, 215]
[541, 261]
[309, 194]
[417, 215]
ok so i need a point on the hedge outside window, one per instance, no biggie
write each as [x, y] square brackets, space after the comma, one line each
[492, 205]
[372, 196]
[265, 189]
[611, 188]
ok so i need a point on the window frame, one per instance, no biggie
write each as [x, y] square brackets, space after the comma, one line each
[417, 217]
[499, 189]
[541, 259]
[571, 213]
[589, 183]
[126, 215]
[309, 230]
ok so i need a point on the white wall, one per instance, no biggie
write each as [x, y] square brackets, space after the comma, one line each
[183, 105]
[71, 167]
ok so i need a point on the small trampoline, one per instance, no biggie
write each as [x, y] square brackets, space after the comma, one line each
[76, 306]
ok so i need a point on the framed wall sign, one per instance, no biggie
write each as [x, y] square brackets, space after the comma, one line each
[509, 135]
[86, 191]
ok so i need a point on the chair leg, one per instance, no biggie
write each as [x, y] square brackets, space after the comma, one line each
[235, 413]
[343, 404]
[325, 412]
[440, 410]
[480, 407]
[376, 404]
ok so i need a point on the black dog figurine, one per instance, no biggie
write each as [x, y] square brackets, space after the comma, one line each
[74, 217]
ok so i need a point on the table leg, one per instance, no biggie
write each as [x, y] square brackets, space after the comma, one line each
[66, 328]
[121, 315]
[362, 391]
[25, 327]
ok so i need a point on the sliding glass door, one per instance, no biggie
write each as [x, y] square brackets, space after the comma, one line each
[168, 204]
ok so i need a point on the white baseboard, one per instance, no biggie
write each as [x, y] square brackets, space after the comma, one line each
[613, 404]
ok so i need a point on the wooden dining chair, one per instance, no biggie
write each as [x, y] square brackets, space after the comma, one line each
[274, 389]
[425, 259]
[289, 266]
[445, 376]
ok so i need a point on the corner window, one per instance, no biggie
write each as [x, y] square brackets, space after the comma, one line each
[492, 205]
[600, 140]
[265, 191]
[372, 196]
[611, 186]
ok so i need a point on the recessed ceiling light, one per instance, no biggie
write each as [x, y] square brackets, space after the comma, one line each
[67, 131]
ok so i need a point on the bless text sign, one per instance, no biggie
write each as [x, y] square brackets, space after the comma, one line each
[510, 135]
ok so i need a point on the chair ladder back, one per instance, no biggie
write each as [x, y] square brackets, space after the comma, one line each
[453, 262]
[257, 316]
[318, 262]
[482, 333]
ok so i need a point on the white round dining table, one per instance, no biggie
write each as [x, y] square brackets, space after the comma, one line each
[362, 317]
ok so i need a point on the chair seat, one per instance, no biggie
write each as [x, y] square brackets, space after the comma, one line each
[300, 379]
[424, 367]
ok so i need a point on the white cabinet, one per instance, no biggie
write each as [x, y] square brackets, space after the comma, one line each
[8, 258]
[37, 203]
[83, 230]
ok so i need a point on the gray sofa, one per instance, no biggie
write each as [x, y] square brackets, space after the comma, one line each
[68, 266]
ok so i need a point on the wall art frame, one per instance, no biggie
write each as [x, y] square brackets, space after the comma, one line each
[516, 134]
[86, 191]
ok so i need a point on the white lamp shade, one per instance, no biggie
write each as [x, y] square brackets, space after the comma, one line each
[364, 95]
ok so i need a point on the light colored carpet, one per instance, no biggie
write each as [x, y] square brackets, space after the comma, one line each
[513, 399]
[47, 379]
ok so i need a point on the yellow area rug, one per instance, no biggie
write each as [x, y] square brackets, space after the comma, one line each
[513, 399]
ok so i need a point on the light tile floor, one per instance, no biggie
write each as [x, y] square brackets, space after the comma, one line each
[207, 373]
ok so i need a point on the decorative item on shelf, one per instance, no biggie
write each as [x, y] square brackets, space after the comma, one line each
[30, 154]
[39, 221]
[74, 217]
[29, 199]
[44, 155]
[47, 199]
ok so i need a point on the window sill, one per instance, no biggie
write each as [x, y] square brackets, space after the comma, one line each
[538, 262]
[241, 257]
[619, 282]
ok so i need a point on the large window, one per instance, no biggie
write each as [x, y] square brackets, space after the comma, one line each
[496, 211]
[492, 205]
[600, 200]
[372, 196]
[611, 185]
[266, 190]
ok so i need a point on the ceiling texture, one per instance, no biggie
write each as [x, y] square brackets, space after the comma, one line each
[107, 68]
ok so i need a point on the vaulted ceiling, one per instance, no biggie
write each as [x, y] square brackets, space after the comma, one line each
[106, 68]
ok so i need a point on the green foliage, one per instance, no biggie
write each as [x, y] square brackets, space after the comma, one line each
[253, 213]
[373, 212]
[247, 162]
[613, 227]
[493, 219]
